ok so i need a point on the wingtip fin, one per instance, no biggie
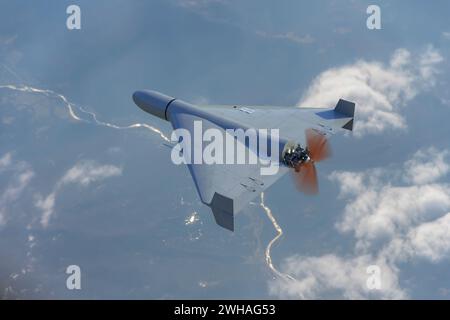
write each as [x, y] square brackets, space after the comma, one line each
[223, 211]
[345, 108]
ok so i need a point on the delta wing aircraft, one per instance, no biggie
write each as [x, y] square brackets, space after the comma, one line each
[228, 188]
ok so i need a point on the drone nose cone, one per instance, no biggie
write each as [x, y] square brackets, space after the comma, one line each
[143, 100]
[138, 98]
[152, 102]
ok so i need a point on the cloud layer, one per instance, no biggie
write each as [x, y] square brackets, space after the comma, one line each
[83, 173]
[20, 176]
[393, 216]
[379, 90]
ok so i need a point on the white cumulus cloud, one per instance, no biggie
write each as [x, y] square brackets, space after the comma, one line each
[394, 216]
[379, 212]
[335, 277]
[47, 206]
[86, 172]
[431, 240]
[427, 166]
[379, 90]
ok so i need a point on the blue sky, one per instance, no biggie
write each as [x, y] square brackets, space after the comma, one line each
[110, 200]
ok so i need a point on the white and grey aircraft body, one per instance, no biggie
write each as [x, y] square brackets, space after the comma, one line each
[228, 189]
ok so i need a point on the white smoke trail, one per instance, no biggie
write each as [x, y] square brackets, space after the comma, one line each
[71, 107]
[275, 239]
[48, 93]
[131, 126]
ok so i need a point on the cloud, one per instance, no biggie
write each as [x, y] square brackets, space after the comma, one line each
[352, 183]
[6, 40]
[446, 35]
[199, 3]
[377, 208]
[47, 206]
[208, 9]
[379, 212]
[289, 36]
[429, 241]
[342, 30]
[379, 90]
[83, 173]
[86, 172]
[427, 166]
[394, 216]
[20, 179]
[428, 62]
[334, 277]
[5, 160]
